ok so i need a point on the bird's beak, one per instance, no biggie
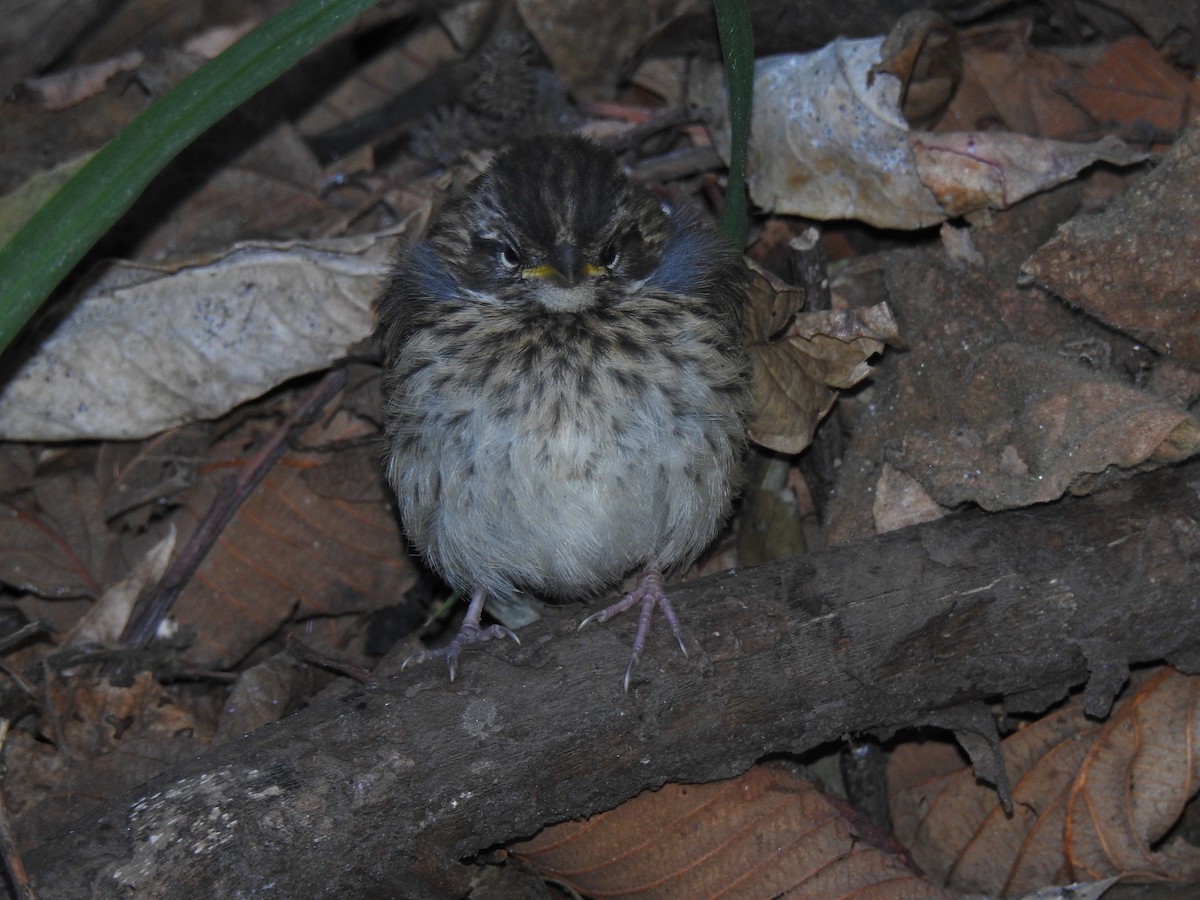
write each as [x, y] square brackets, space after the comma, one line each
[565, 266]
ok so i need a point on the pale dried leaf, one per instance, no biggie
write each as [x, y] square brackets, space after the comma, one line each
[149, 349]
[63, 90]
[968, 171]
[829, 141]
[108, 616]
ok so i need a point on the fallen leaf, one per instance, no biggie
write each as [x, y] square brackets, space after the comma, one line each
[63, 90]
[1010, 85]
[766, 834]
[57, 546]
[922, 51]
[590, 50]
[1029, 426]
[1133, 266]
[828, 141]
[109, 615]
[1130, 85]
[1090, 800]
[801, 359]
[264, 693]
[994, 170]
[295, 550]
[151, 348]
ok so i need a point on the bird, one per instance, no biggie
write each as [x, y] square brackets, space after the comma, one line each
[566, 387]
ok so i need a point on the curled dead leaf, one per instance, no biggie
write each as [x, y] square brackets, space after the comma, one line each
[801, 359]
[1090, 800]
[829, 141]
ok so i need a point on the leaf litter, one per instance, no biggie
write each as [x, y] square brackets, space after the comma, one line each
[959, 386]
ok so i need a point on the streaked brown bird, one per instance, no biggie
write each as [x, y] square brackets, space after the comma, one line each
[566, 387]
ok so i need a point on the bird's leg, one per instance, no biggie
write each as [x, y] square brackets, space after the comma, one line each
[650, 594]
[470, 632]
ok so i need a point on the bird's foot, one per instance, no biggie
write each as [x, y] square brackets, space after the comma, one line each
[650, 594]
[469, 633]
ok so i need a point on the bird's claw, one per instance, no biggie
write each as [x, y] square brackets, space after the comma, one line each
[468, 635]
[649, 594]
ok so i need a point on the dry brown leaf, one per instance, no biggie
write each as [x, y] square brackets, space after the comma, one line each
[1132, 86]
[766, 834]
[108, 738]
[1134, 783]
[1029, 426]
[1133, 266]
[1006, 397]
[294, 550]
[591, 48]
[264, 693]
[1089, 800]
[922, 51]
[89, 717]
[800, 359]
[56, 547]
[1009, 85]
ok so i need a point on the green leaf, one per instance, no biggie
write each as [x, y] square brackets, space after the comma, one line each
[737, 46]
[58, 235]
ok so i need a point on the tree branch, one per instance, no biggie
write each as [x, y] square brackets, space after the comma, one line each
[378, 791]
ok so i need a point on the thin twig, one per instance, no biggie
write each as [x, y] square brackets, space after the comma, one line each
[158, 602]
[313, 657]
[17, 876]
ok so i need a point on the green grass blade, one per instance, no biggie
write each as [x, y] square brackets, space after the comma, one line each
[737, 46]
[57, 236]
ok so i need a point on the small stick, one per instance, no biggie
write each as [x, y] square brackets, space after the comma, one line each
[154, 608]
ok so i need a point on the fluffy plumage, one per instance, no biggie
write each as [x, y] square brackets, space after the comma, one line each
[566, 385]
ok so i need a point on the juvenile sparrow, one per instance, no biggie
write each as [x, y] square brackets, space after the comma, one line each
[566, 386]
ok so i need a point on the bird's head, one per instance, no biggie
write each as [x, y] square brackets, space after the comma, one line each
[555, 222]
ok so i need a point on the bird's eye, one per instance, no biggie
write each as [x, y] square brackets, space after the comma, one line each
[609, 256]
[508, 256]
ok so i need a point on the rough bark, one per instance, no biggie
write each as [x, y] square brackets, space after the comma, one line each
[377, 791]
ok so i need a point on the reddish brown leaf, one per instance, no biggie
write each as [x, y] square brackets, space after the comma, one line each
[1131, 86]
[1008, 85]
[1134, 783]
[765, 834]
[55, 547]
[294, 551]
[1089, 800]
